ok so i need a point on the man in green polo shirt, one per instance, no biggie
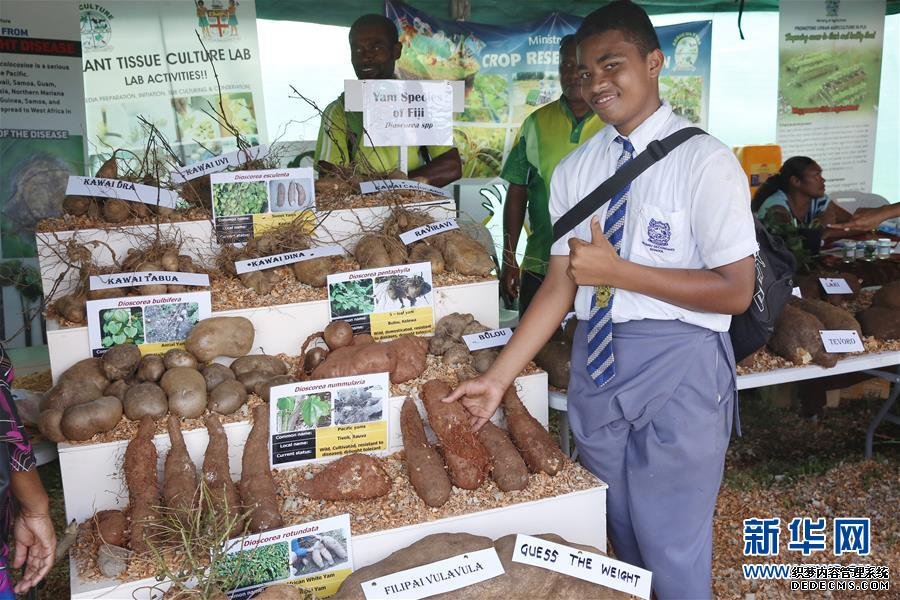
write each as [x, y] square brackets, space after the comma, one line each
[545, 137]
[374, 48]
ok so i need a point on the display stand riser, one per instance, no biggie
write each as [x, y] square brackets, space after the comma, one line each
[197, 238]
[283, 328]
[92, 473]
[542, 516]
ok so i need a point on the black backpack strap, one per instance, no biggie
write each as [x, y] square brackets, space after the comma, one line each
[656, 151]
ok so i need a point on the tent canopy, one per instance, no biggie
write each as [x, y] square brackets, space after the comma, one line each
[497, 12]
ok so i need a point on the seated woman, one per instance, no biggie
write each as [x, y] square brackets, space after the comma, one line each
[796, 194]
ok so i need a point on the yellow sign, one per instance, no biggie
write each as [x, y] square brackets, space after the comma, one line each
[159, 347]
[323, 585]
[416, 321]
[349, 439]
[305, 221]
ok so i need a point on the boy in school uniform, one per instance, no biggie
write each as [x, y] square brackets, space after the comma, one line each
[655, 275]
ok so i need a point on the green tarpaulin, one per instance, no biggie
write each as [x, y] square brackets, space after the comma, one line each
[501, 12]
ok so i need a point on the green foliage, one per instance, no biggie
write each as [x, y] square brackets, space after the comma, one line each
[240, 198]
[121, 326]
[254, 567]
[352, 297]
[313, 408]
[26, 279]
[796, 239]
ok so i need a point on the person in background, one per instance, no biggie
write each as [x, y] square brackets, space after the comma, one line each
[796, 194]
[655, 275]
[232, 17]
[374, 48]
[26, 510]
[202, 18]
[545, 137]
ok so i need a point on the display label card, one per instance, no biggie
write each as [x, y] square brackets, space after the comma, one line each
[287, 258]
[487, 339]
[218, 163]
[841, 340]
[407, 113]
[420, 233]
[119, 280]
[123, 190]
[155, 323]
[386, 185]
[588, 566]
[835, 285]
[328, 418]
[436, 578]
[316, 556]
[386, 302]
[247, 203]
[796, 292]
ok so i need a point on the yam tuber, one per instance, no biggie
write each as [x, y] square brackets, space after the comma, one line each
[82, 421]
[338, 334]
[537, 447]
[141, 479]
[352, 477]
[797, 338]
[220, 336]
[424, 465]
[313, 272]
[411, 353]
[422, 252]
[111, 526]
[216, 470]
[120, 362]
[888, 296]
[508, 470]
[357, 360]
[556, 358]
[463, 254]
[179, 474]
[257, 485]
[881, 322]
[466, 457]
[832, 317]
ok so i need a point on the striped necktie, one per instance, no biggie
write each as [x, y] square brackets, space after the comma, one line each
[601, 362]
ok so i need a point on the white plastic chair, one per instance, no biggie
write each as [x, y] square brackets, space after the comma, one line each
[850, 201]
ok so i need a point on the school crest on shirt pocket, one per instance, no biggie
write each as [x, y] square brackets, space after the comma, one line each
[660, 236]
[659, 233]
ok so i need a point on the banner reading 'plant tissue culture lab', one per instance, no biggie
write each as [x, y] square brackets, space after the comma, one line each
[828, 82]
[511, 71]
[144, 59]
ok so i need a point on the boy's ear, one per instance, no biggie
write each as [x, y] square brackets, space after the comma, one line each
[655, 61]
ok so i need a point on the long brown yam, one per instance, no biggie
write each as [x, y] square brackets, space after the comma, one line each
[466, 457]
[141, 479]
[257, 484]
[179, 474]
[423, 462]
[216, 470]
[508, 470]
[540, 452]
[353, 477]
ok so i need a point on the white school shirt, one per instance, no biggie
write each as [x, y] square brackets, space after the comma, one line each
[690, 210]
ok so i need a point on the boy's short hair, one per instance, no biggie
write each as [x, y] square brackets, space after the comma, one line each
[567, 40]
[624, 16]
[374, 20]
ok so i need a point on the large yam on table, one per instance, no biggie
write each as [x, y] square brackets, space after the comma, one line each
[68, 393]
[220, 336]
[508, 470]
[83, 421]
[257, 486]
[376, 251]
[186, 391]
[142, 482]
[313, 272]
[881, 322]
[541, 453]
[463, 254]
[797, 338]
[261, 363]
[424, 465]
[352, 477]
[357, 360]
[179, 474]
[832, 317]
[466, 457]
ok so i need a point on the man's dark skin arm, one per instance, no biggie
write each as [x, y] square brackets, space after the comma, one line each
[441, 171]
[513, 218]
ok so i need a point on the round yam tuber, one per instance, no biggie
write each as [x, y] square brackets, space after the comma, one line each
[71, 308]
[82, 421]
[313, 358]
[178, 357]
[117, 389]
[48, 424]
[111, 526]
[214, 374]
[220, 336]
[120, 362]
[483, 359]
[313, 272]
[77, 205]
[151, 289]
[68, 393]
[264, 388]
[338, 334]
[881, 322]
[227, 397]
[456, 355]
[145, 399]
[186, 391]
[115, 210]
[262, 363]
[422, 252]
[151, 368]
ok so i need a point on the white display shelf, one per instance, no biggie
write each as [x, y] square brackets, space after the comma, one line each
[541, 516]
[283, 328]
[198, 238]
[92, 477]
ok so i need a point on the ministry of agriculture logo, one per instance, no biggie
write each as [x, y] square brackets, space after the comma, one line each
[659, 233]
[687, 49]
[96, 30]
